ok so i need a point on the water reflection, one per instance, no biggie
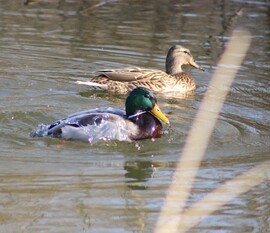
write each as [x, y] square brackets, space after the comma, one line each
[138, 173]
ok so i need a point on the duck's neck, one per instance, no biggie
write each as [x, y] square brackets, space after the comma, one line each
[149, 126]
[173, 65]
[174, 70]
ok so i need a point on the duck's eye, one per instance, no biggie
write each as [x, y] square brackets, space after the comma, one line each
[151, 98]
[147, 96]
[186, 52]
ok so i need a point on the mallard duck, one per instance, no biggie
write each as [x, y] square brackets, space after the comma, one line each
[175, 79]
[141, 120]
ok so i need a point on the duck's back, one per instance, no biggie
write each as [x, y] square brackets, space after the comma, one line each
[92, 125]
[125, 80]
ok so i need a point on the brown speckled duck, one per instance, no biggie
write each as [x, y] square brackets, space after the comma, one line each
[126, 79]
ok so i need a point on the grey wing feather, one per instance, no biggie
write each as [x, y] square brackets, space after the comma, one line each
[132, 74]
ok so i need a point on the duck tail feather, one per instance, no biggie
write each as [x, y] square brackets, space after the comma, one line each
[92, 84]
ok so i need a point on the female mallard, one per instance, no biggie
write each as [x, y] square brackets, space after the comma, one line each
[140, 121]
[124, 80]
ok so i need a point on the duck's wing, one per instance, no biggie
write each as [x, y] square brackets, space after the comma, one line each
[131, 74]
[93, 125]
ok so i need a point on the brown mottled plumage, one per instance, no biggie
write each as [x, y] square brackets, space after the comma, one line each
[126, 79]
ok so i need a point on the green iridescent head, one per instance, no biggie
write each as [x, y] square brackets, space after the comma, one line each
[143, 100]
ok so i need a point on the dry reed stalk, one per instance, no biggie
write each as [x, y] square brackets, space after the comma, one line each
[222, 195]
[171, 215]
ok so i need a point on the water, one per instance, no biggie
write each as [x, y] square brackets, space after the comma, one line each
[66, 186]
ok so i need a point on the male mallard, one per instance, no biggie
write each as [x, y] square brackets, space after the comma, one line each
[140, 121]
[124, 80]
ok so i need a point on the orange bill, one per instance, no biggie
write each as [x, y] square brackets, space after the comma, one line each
[194, 64]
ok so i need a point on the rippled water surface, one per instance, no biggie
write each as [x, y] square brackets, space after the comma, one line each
[51, 185]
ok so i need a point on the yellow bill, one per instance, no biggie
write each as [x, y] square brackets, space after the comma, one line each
[160, 115]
